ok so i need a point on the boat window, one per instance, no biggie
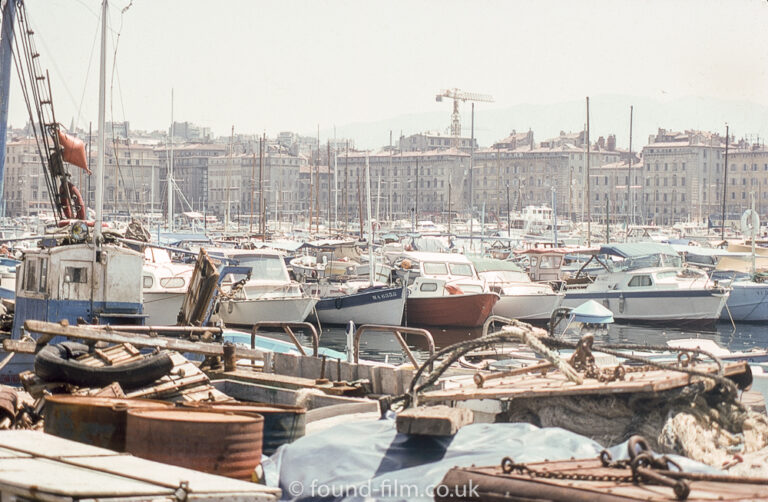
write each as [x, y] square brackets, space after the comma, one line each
[148, 281]
[172, 282]
[640, 280]
[551, 261]
[435, 269]
[270, 268]
[461, 269]
[31, 275]
[76, 275]
[428, 286]
[43, 275]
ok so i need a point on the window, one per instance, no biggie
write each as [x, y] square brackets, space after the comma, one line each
[43, 275]
[461, 269]
[172, 282]
[428, 287]
[76, 275]
[31, 275]
[435, 269]
[148, 281]
[640, 280]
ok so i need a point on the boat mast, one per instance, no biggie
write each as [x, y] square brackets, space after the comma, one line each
[589, 203]
[725, 181]
[170, 174]
[99, 195]
[630, 208]
[227, 178]
[370, 223]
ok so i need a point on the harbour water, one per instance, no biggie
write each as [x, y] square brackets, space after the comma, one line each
[384, 346]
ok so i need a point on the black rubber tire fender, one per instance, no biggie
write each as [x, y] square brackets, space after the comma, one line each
[53, 363]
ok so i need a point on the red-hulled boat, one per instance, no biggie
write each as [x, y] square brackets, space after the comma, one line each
[466, 310]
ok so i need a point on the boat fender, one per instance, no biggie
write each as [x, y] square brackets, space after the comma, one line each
[338, 302]
[453, 290]
[314, 274]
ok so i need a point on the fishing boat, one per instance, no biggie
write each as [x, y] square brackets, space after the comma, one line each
[78, 273]
[360, 302]
[446, 290]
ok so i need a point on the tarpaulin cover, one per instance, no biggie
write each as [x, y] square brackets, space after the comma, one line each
[369, 459]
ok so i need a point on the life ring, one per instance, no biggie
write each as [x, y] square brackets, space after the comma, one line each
[750, 222]
[338, 303]
[72, 205]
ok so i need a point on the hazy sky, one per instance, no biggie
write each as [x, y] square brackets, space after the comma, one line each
[291, 65]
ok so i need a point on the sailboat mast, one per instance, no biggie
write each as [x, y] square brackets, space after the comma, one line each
[725, 181]
[227, 178]
[99, 195]
[588, 201]
[371, 267]
[170, 174]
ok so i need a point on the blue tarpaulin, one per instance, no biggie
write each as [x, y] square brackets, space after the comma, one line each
[370, 460]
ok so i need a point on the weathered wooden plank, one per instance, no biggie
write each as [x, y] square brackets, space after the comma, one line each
[555, 384]
[102, 333]
[433, 420]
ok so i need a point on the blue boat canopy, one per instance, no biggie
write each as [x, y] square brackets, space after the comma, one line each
[591, 312]
[636, 249]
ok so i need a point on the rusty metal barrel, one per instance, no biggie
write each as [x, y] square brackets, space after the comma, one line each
[98, 421]
[220, 443]
[282, 423]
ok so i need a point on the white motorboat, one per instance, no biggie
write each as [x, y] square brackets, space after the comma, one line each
[267, 295]
[649, 285]
[165, 283]
[520, 298]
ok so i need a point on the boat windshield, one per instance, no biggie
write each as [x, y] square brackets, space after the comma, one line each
[461, 269]
[432, 268]
[648, 261]
[270, 268]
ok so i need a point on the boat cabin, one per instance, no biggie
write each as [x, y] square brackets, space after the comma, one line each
[66, 283]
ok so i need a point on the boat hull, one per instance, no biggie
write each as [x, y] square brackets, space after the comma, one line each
[465, 311]
[377, 306]
[528, 307]
[748, 302]
[673, 306]
[249, 312]
[162, 308]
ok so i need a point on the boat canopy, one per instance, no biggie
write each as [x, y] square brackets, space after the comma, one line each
[492, 265]
[591, 312]
[637, 249]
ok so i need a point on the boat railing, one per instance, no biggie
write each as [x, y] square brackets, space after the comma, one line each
[288, 327]
[398, 331]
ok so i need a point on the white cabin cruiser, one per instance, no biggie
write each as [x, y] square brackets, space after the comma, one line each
[650, 285]
[268, 294]
[521, 298]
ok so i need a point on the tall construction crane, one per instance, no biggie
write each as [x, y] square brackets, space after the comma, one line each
[459, 95]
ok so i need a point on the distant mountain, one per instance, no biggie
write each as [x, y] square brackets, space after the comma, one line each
[609, 114]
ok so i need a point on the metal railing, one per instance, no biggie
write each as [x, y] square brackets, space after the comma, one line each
[287, 327]
[398, 331]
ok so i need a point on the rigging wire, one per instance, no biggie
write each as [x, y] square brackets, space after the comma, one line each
[127, 204]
